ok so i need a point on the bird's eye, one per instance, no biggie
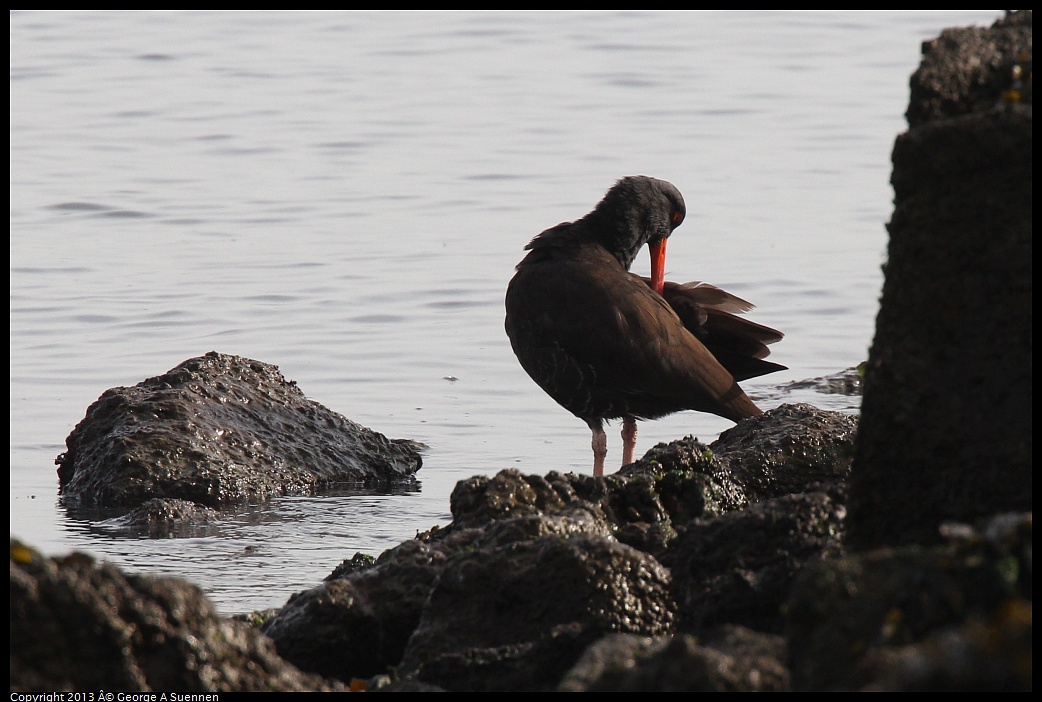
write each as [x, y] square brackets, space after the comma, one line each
[678, 217]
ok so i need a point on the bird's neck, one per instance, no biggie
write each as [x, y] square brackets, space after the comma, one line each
[622, 238]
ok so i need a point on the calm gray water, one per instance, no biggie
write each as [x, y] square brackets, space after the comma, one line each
[345, 195]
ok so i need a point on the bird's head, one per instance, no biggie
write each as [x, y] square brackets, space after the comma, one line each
[641, 210]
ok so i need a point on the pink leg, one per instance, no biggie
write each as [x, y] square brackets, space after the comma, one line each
[600, 447]
[629, 439]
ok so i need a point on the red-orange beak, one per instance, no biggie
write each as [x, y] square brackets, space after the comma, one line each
[658, 265]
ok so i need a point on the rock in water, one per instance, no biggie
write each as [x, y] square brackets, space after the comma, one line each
[219, 430]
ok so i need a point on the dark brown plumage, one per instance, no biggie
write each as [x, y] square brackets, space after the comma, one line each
[605, 345]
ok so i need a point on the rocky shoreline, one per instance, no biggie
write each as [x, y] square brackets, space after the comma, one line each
[803, 550]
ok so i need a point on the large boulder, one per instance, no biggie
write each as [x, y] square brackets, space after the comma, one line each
[946, 428]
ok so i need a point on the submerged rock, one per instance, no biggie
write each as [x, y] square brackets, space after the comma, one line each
[846, 382]
[163, 518]
[219, 430]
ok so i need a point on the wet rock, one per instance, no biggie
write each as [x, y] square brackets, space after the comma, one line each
[846, 382]
[80, 625]
[219, 430]
[357, 562]
[629, 507]
[956, 616]
[729, 659]
[946, 429]
[788, 450]
[518, 616]
[690, 479]
[738, 568]
[972, 69]
[357, 625]
[533, 569]
[480, 500]
[162, 518]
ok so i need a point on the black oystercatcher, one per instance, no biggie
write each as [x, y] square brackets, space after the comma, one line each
[607, 344]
